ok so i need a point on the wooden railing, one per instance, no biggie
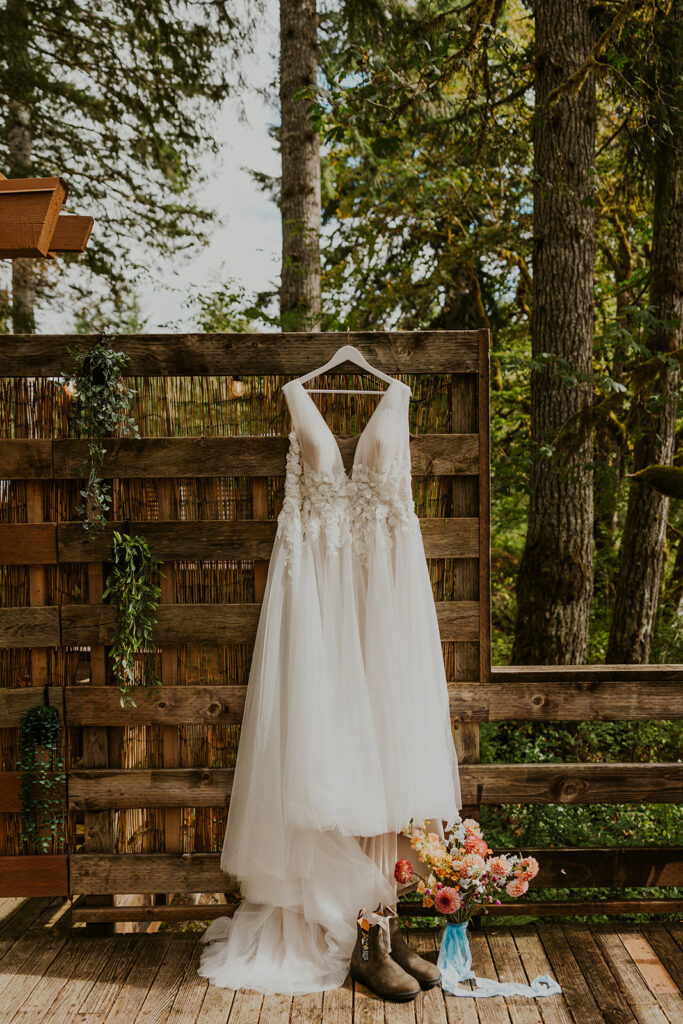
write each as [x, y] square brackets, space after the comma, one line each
[96, 788]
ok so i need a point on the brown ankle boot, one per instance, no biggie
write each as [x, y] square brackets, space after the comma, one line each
[372, 965]
[412, 963]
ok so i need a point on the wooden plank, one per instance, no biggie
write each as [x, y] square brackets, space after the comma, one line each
[554, 1009]
[604, 988]
[43, 874]
[483, 784]
[570, 976]
[654, 973]
[16, 700]
[190, 994]
[75, 957]
[10, 794]
[483, 429]
[28, 543]
[200, 872]
[131, 996]
[170, 735]
[159, 912]
[25, 459]
[216, 1007]
[165, 457]
[338, 1004]
[98, 826]
[29, 208]
[465, 501]
[525, 908]
[29, 627]
[576, 700]
[71, 233]
[276, 1009]
[78, 985]
[111, 980]
[246, 1007]
[643, 1003]
[492, 1010]
[246, 539]
[306, 1009]
[585, 673]
[666, 949]
[20, 941]
[162, 355]
[224, 705]
[87, 624]
[509, 968]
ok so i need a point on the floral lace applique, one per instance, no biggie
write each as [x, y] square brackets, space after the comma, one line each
[344, 508]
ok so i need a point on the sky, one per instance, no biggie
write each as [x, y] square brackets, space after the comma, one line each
[246, 243]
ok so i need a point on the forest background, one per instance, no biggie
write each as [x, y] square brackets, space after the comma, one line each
[494, 163]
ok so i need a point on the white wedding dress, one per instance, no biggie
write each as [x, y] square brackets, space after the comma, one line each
[346, 731]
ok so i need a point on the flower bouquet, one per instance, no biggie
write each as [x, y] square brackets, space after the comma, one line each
[462, 877]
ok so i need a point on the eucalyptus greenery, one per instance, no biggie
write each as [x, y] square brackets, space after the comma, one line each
[102, 404]
[131, 589]
[42, 776]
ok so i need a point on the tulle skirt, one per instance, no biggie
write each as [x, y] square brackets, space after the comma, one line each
[345, 735]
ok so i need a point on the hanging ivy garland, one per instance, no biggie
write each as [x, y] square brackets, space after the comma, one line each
[131, 589]
[43, 778]
[102, 404]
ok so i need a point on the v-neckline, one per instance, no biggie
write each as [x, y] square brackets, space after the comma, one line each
[362, 433]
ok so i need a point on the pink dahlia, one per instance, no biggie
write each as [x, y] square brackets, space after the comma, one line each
[448, 900]
[517, 887]
[403, 872]
[472, 827]
[498, 867]
[475, 844]
[527, 868]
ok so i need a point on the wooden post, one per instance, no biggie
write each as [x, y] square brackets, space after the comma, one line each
[37, 583]
[99, 833]
[170, 736]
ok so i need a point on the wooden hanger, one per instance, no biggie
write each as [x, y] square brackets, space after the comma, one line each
[347, 353]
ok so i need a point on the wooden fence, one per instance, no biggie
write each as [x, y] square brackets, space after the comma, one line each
[97, 787]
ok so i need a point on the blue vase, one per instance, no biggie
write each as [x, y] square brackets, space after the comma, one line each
[455, 956]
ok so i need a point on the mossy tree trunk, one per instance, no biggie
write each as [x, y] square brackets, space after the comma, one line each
[641, 555]
[300, 153]
[555, 581]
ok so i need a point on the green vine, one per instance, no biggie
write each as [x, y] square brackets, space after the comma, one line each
[103, 403]
[136, 597]
[42, 776]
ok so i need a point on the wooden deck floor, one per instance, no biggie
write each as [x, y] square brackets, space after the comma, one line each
[617, 974]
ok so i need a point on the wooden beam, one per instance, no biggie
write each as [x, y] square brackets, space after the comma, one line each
[29, 627]
[219, 623]
[71, 233]
[163, 355]
[16, 700]
[224, 705]
[26, 459]
[219, 540]
[29, 208]
[591, 674]
[406, 908]
[481, 784]
[28, 543]
[44, 874]
[201, 872]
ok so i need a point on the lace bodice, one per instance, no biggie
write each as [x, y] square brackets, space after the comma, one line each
[321, 498]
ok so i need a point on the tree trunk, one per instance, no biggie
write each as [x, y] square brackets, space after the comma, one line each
[643, 543]
[555, 582]
[300, 152]
[19, 108]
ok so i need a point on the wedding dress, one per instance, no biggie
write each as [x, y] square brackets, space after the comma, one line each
[346, 731]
